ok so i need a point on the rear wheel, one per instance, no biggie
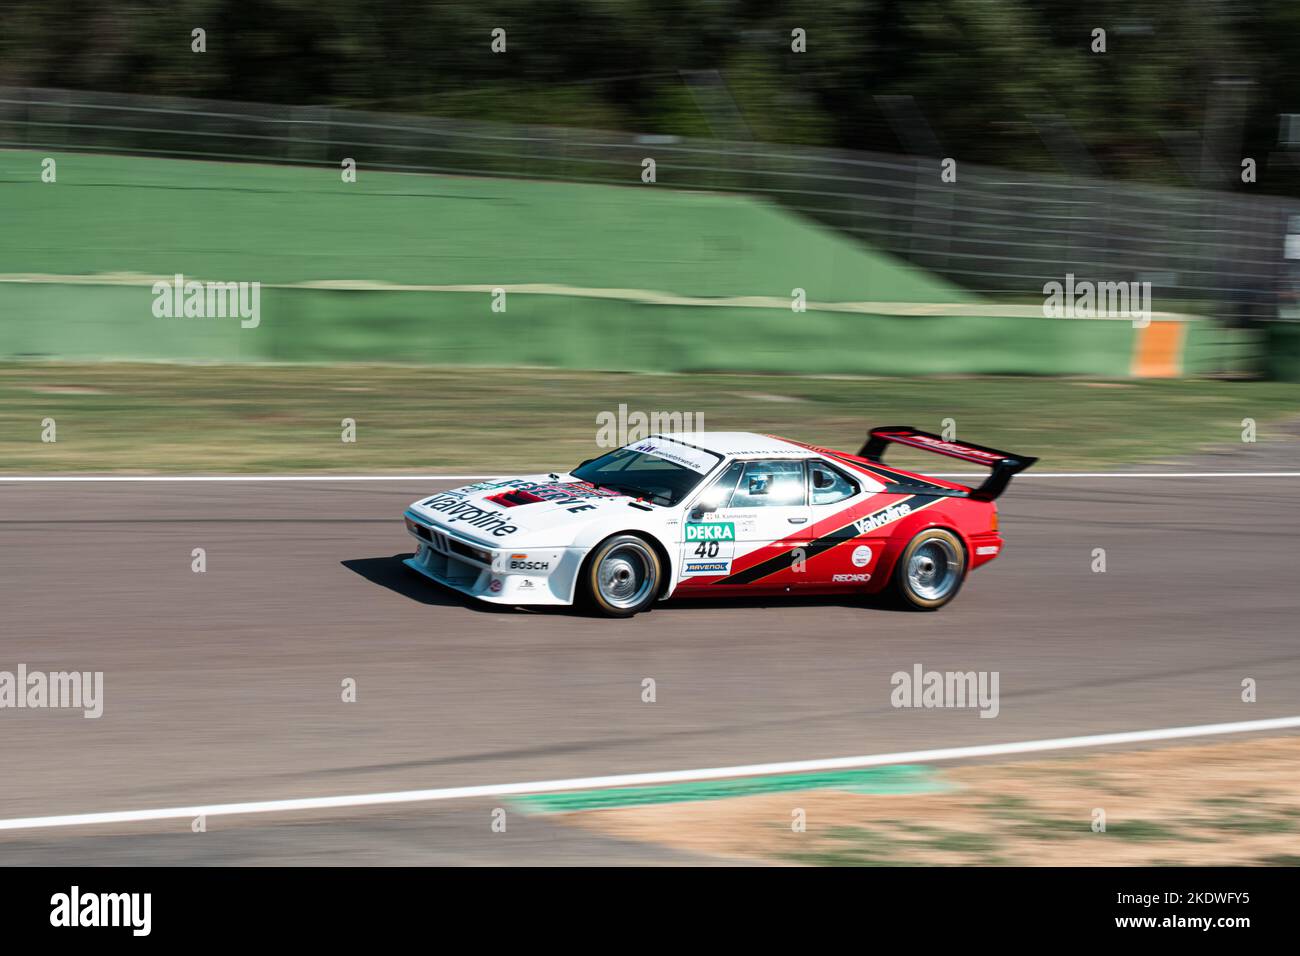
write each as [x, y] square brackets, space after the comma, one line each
[621, 576]
[930, 571]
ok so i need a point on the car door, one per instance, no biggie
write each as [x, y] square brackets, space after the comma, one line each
[760, 515]
[831, 493]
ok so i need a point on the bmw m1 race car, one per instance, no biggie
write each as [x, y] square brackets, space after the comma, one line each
[717, 514]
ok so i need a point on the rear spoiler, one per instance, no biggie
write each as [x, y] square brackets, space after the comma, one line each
[1004, 464]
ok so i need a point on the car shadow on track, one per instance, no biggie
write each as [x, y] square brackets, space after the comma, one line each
[392, 574]
[865, 603]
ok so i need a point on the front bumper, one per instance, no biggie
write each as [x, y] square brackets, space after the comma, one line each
[497, 575]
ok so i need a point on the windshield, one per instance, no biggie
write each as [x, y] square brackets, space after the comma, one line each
[645, 474]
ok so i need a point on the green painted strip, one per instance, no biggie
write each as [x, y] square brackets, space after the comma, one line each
[95, 323]
[644, 296]
[903, 779]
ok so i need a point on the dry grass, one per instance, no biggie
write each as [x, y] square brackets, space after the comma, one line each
[231, 419]
[1220, 804]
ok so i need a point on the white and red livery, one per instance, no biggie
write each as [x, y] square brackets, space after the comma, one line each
[714, 514]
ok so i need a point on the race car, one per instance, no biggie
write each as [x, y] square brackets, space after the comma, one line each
[717, 514]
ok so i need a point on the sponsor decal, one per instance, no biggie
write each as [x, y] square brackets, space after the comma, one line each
[881, 518]
[707, 567]
[953, 447]
[987, 549]
[455, 510]
[454, 493]
[711, 531]
[494, 585]
[861, 556]
[565, 492]
[521, 562]
[715, 540]
[850, 578]
[556, 492]
[484, 486]
[693, 458]
[578, 494]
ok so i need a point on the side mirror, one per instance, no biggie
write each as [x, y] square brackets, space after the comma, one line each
[700, 510]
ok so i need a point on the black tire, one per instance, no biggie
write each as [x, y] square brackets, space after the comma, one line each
[930, 571]
[621, 576]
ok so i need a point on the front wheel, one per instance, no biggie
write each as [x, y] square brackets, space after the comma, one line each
[621, 576]
[930, 571]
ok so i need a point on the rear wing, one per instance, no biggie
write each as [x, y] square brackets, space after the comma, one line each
[1004, 464]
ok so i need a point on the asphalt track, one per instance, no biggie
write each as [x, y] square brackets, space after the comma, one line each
[225, 686]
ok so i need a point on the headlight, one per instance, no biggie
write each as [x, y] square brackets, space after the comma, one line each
[469, 551]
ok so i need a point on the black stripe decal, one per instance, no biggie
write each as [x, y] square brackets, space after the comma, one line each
[905, 482]
[845, 532]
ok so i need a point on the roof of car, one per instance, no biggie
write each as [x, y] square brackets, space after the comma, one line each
[739, 443]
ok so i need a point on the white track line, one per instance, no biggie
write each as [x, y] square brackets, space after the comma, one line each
[32, 478]
[642, 779]
[936, 474]
[1138, 474]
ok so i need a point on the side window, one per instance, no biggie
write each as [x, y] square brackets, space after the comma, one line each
[828, 484]
[770, 484]
[719, 493]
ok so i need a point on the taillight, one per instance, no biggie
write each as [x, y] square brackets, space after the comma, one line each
[993, 520]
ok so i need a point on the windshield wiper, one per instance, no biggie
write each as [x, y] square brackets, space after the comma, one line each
[642, 493]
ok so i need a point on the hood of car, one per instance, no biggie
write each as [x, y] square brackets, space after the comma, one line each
[534, 509]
